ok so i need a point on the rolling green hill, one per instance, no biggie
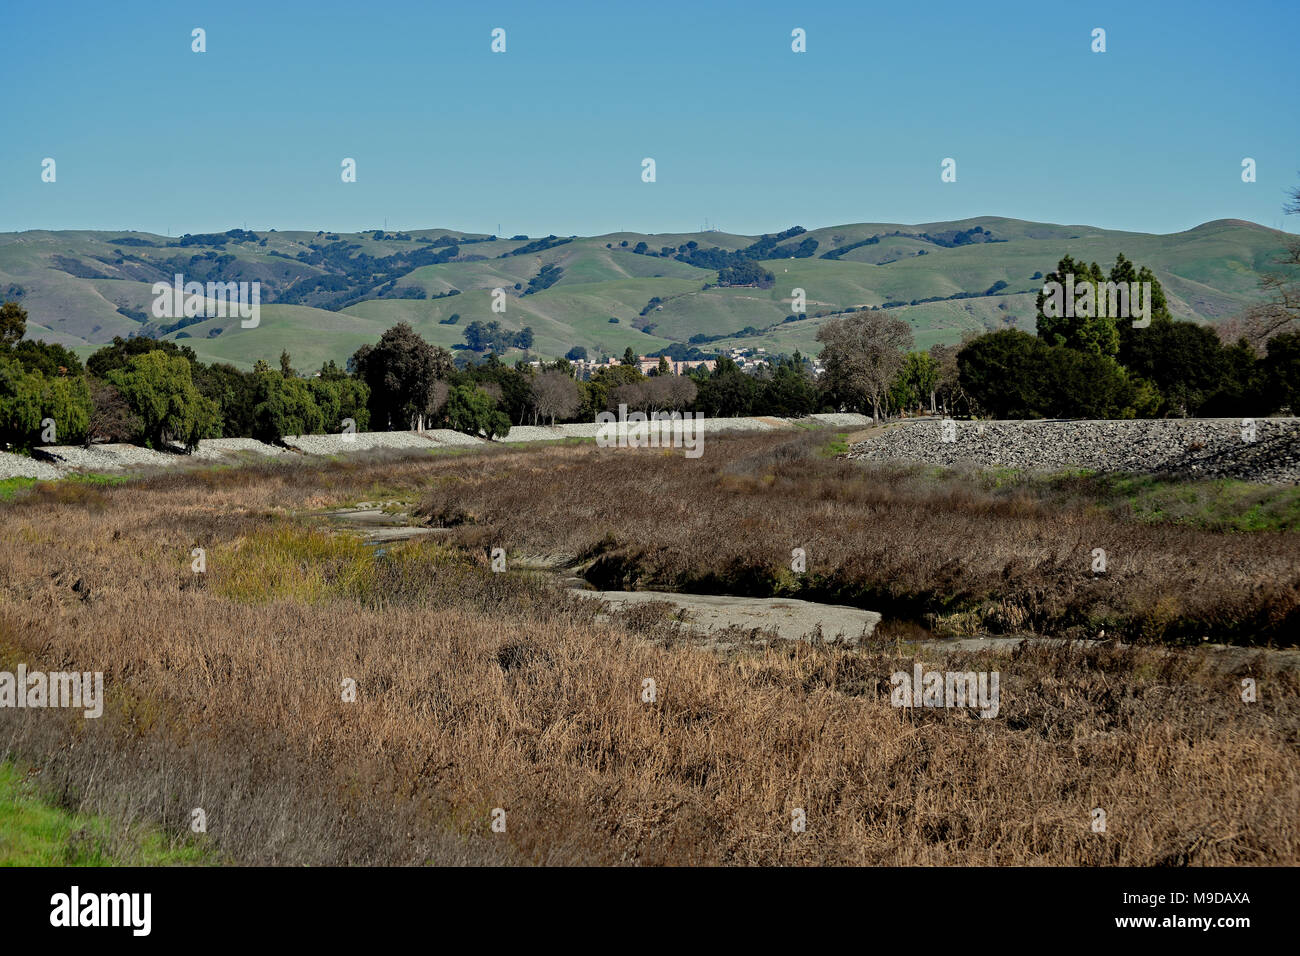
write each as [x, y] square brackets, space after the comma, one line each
[324, 294]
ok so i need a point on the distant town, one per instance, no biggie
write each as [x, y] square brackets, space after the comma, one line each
[749, 360]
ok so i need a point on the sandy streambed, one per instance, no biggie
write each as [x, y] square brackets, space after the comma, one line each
[790, 619]
[704, 615]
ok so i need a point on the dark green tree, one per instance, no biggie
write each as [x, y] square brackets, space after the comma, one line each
[159, 389]
[400, 372]
[473, 412]
[13, 324]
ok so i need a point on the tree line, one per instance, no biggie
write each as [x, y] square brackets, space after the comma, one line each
[156, 392]
[1081, 363]
[1093, 362]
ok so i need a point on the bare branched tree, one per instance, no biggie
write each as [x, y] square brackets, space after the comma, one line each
[111, 418]
[1259, 323]
[862, 356]
[436, 401]
[554, 395]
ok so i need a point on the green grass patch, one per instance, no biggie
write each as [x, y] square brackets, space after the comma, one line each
[314, 564]
[1220, 504]
[291, 562]
[11, 486]
[838, 445]
[568, 441]
[95, 478]
[35, 832]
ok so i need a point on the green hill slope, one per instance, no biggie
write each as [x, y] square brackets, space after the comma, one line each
[324, 294]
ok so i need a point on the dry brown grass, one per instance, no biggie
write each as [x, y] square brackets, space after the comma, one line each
[899, 540]
[479, 690]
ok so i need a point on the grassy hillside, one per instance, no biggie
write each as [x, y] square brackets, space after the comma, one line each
[324, 294]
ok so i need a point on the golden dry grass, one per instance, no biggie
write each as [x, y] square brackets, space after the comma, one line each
[479, 690]
[966, 554]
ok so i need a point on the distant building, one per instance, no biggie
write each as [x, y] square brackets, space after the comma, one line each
[649, 364]
[583, 369]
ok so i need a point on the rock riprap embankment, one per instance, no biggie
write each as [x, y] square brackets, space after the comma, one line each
[1263, 449]
[55, 461]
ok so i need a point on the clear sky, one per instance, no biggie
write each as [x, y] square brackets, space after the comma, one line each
[549, 136]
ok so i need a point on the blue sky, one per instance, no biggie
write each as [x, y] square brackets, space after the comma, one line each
[549, 136]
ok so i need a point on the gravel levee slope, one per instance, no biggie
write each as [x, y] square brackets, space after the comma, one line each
[1198, 448]
[54, 461]
[19, 466]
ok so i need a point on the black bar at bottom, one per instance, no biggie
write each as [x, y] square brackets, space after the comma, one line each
[926, 906]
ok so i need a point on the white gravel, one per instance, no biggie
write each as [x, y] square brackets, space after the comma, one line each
[20, 466]
[842, 419]
[592, 429]
[219, 449]
[576, 430]
[53, 461]
[539, 433]
[445, 436]
[1200, 448]
[107, 457]
[737, 425]
[360, 441]
[522, 433]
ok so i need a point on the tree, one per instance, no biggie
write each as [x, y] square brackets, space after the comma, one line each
[1012, 374]
[629, 357]
[1243, 389]
[234, 393]
[13, 324]
[438, 400]
[343, 398]
[330, 372]
[471, 411]
[948, 393]
[65, 399]
[1186, 362]
[745, 273]
[1284, 285]
[1095, 324]
[111, 418]
[660, 393]
[495, 338]
[917, 380]
[577, 354]
[789, 392]
[1078, 384]
[510, 388]
[727, 392]
[400, 372]
[603, 384]
[1282, 370]
[1001, 372]
[48, 358]
[1281, 313]
[862, 356]
[554, 395]
[159, 390]
[20, 402]
[1074, 323]
[118, 355]
[285, 406]
[677, 392]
